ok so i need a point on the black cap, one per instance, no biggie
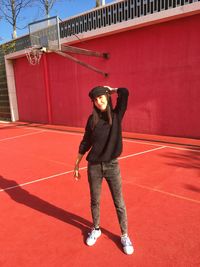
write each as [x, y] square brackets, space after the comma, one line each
[97, 91]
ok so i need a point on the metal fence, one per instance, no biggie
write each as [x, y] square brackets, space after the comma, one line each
[108, 15]
[116, 13]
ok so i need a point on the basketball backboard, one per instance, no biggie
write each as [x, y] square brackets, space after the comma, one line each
[45, 37]
[45, 33]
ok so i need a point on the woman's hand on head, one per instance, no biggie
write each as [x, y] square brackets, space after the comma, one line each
[111, 89]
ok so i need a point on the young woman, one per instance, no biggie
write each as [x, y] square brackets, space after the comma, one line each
[103, 140]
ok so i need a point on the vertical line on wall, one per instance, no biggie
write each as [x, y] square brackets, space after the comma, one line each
[47, 89]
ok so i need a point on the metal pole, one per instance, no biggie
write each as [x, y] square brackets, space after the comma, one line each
[77, 50]
[82, 63]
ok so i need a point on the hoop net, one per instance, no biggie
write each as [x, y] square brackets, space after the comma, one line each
[33, 55]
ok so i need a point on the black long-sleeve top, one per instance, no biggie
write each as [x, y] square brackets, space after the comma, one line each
[105, 141]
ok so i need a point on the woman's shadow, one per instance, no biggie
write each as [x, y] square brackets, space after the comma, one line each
[22, 196]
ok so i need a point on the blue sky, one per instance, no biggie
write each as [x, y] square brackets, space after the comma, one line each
[63, 9]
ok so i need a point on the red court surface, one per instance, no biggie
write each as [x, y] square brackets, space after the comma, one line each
[45, 213]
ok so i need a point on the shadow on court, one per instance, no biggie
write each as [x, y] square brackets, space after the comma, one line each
[24, 197]
[190, 159]
[192, 188]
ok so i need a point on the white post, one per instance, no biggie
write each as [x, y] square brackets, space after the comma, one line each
[11, 89]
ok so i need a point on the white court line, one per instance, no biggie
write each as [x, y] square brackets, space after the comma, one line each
[39, 180]
[143, 152]
[53, 131]
[22, 135]
[4, 122]
[124, 139]
[166, 193]
[59, 174]
[184, 149]
[167, 146]
[83, 168]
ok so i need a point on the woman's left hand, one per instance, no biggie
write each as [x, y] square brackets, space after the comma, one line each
[77, 175]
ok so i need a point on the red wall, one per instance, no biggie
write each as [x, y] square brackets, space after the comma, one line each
[31, 95]
[159, 64]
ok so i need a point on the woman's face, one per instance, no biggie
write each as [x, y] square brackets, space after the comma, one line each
[101, 102]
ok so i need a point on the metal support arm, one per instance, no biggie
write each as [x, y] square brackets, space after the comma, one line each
[81, 51]
[81, 62]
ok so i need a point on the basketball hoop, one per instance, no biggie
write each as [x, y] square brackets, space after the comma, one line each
[33, 55]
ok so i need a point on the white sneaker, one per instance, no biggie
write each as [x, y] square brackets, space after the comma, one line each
[127, 245]
[92, 238]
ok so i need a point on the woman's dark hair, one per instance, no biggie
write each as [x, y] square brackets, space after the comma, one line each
[108, 112]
